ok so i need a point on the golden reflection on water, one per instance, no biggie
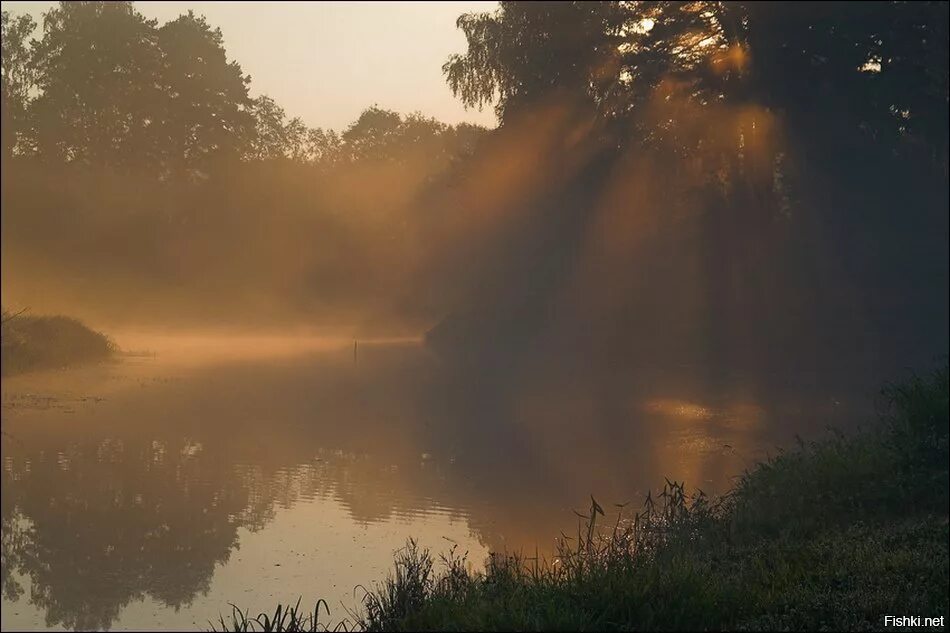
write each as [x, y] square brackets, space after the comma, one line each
[679, 409]
[736, 414]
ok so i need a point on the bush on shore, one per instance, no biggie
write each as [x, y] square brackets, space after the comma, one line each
[47, 342]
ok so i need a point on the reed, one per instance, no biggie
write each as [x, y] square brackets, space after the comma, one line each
[288, 618]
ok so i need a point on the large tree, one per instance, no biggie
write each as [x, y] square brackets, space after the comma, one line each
[99, 100]
[115, 90]
[524, 51]
[876, 67]
[807, 140]
[206, 108]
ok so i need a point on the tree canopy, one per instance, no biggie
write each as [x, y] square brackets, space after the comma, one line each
[805, 142]
[882, 66]
[104, 86]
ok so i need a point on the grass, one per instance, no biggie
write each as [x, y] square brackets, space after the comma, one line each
[46, 342]
[832, 535]
[289, 618]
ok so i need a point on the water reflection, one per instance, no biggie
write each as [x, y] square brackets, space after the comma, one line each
[146, 494]
[95, 526]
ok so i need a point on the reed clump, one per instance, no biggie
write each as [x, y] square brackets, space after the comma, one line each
[30, 343]
[284, 618]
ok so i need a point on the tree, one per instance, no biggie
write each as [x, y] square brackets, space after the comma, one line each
[100, 101]
[206, 104]
[881, 66]
[526, 50]
[18, 77]
[876, 72]
[115, 90]
[795, 134]
[270, 134]
[295, 133]
[322, 146]
[372, 135]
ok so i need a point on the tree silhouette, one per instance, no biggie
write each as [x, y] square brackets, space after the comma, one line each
[270, 133]
[18, 77]
[98, 101]
[115, 90]
[207, 112]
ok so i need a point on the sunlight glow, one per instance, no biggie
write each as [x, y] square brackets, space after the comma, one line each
[679, 409]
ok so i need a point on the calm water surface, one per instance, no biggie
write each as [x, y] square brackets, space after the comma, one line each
[151, 492]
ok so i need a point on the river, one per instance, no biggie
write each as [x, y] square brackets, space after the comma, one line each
[152, 491]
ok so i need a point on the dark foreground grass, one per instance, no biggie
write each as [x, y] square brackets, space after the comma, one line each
[46, 342]
[833, 535]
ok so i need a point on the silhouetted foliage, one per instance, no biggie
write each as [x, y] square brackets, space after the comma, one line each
[30, 342]
[17, 76]
[207, 112]
[96, 103]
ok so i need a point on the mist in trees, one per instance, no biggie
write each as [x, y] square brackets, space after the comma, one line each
[727, 185]
[144, 182]
[745, 186]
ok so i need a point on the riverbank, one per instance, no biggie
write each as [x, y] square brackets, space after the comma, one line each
[832, 535]
[49, 342]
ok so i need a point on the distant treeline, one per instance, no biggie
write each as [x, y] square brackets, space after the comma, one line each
[141, 179]
[731, 183]
[105, 87]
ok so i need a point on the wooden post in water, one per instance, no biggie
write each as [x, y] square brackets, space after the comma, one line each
[354, 350]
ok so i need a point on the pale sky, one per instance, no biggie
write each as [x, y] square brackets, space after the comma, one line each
[327, 61]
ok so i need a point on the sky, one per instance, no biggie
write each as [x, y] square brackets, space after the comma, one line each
[328, 61]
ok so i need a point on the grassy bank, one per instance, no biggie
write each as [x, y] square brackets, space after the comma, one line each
[46, 342]
[833, 535]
